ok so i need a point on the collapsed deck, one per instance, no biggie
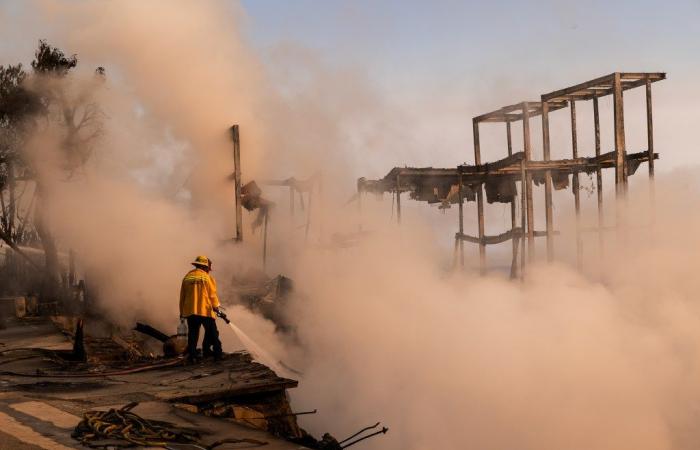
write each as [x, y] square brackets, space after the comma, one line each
[235, 397]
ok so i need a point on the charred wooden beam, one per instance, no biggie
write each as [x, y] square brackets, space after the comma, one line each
[605, 85]
[514, 113]
[499, 238]
[512, 160]
[507, 167]
[528, 181]
[479, 198]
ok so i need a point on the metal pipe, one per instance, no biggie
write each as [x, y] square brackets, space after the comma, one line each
[371, 427]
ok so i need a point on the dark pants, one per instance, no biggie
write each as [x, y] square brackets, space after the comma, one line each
[211, 345]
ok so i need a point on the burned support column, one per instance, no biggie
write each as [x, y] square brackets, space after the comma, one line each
[237, 181]
[359, 208]
[650, 150]
[398, 199]
[620, 153]
[528, 191]
[461, 219]
[523, 209]
[598, 173]
[620, 159]
[479, 200]
[650, 131]
[547, 181]
[513, 222]
[575, 187]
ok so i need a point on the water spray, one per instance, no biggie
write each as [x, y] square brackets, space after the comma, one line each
[257, 352]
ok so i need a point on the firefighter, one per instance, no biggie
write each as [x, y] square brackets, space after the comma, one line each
[199, 304]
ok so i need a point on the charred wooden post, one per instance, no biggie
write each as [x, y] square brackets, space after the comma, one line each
[547, 182]
[398, 199]
[620, 158]
[620, 153]
[479, 199]
[650, 150]
[575, 186]
[359, 208]
[237, 181]
[650, 129]
[513, 222]
[598, 174]
[460, 194]
[528, 191]
[523, 218]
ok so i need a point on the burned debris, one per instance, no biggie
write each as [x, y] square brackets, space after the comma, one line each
[268, 297]
[236, 389]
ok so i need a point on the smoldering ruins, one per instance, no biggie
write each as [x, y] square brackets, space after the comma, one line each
[497, 179]
[533, 287]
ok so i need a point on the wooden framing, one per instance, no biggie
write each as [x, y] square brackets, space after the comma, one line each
[521, 167]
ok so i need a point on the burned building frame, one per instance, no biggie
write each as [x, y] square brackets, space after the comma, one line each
[498, 179]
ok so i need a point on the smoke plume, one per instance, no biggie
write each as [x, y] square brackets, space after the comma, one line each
[604, 359]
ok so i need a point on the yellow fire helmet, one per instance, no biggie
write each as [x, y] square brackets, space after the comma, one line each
[202, 261]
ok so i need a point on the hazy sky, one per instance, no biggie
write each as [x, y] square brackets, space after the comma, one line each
[451, 58]
[425, 68]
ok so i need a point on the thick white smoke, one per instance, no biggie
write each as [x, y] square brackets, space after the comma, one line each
[445, 360]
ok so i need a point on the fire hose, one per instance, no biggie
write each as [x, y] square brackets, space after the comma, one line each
[100, 429]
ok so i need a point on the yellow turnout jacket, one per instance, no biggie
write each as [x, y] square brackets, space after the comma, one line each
[198, 294]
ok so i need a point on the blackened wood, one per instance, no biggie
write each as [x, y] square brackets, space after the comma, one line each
[237, 181]
[528, 182]
[479, 199]
[620, 163]
[547, 182]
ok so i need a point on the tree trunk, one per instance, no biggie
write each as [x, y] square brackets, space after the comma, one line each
[50, 288]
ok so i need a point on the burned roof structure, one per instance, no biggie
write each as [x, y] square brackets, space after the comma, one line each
[499, 179]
